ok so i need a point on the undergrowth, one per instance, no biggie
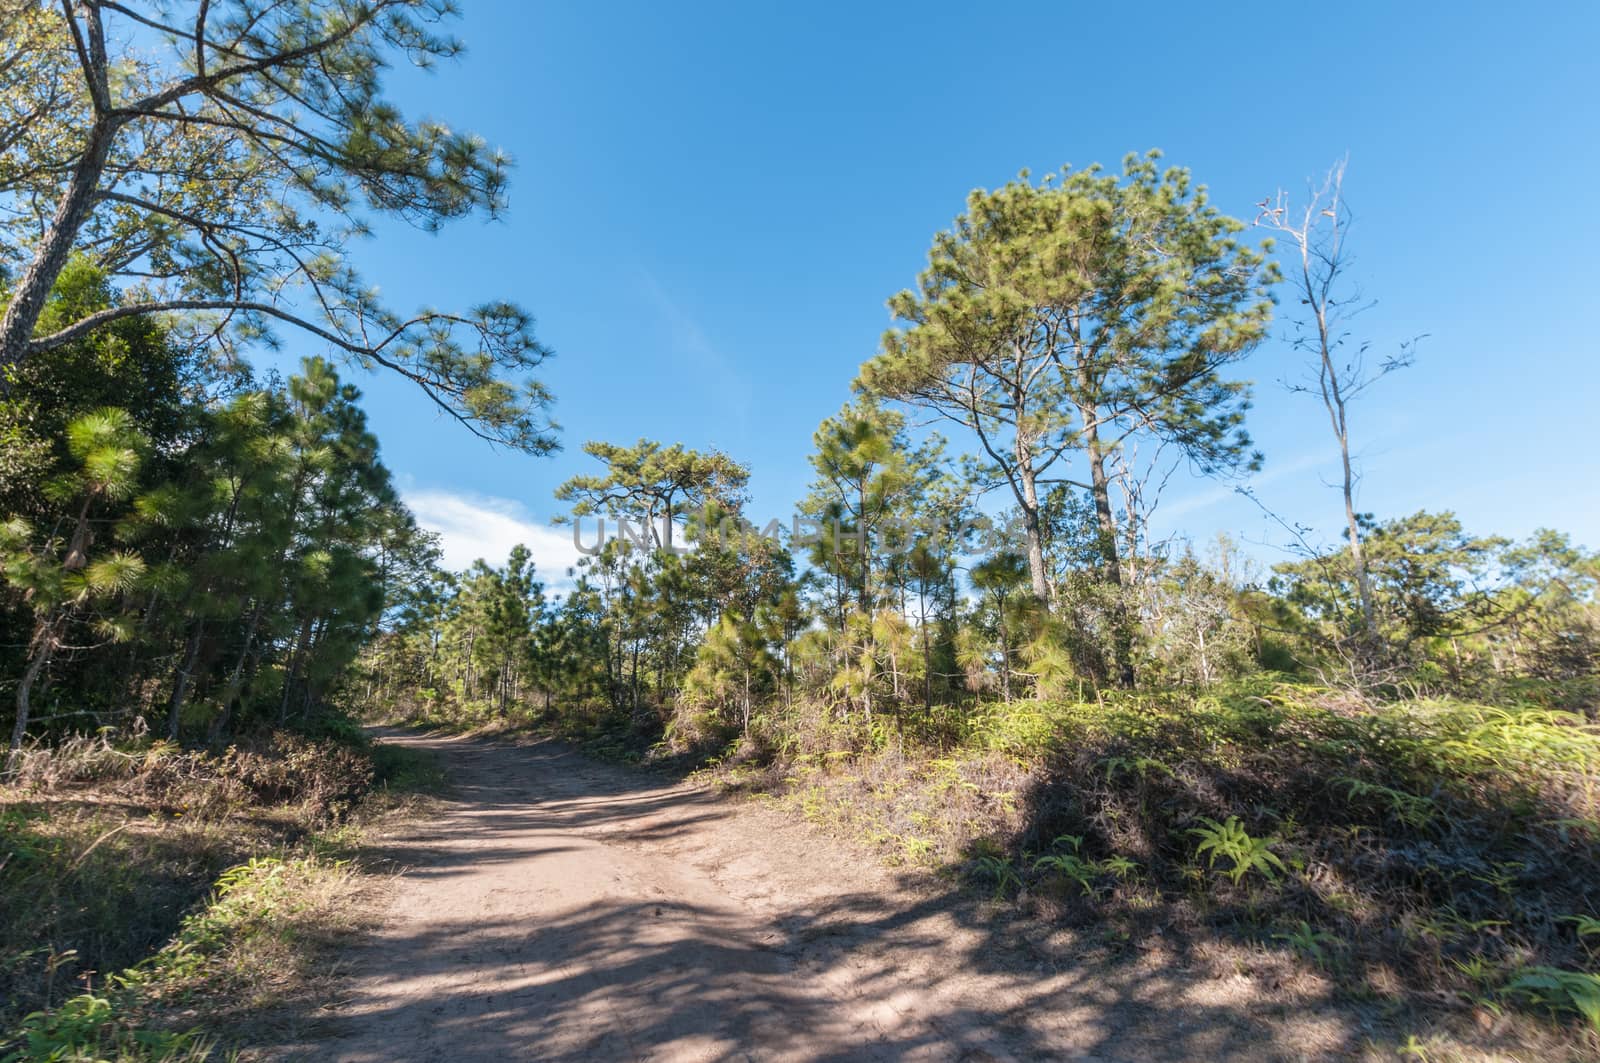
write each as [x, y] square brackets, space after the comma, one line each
[606, 736]
[1426, 857]
[1414, 852]
[148, 892]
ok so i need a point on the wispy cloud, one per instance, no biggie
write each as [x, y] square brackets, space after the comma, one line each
[1218, 493]
[712, 369]
[481, 526]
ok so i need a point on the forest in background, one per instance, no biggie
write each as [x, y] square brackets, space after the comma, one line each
[980, 657]
[1380, 754]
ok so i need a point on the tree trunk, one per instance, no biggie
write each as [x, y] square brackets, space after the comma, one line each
[927, 657]
[44, 641]
[1334, 399]
[1106, 521]
[1358, 560]
[633, 680]
[613, 683]
[863, 594]
[235, 686]
[33, 287]
[1032, 528]
[1005, 653]
[292, 676]
[180, 680]
[745, 706]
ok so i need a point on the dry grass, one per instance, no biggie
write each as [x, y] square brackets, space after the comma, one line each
[1431, 862]
[1434, 864]
[144, 888]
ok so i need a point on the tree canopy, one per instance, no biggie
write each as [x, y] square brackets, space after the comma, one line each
[1063, 318]
[217, 159]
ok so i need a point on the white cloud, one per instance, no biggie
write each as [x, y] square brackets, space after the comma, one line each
[480, 526]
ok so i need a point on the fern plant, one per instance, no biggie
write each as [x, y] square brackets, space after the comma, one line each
[1000, 870]
[1118, 866]
[1309, 942]
[1070, 866]
[1587, 925]
[1410, 809]
[1561, 990]
[1143, 767]
[94, 1027]
[1229, 839]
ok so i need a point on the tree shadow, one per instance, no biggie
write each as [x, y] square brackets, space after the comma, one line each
[632, 956]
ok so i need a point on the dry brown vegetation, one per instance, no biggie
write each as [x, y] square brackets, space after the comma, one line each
[1432, 864]
[148, 890]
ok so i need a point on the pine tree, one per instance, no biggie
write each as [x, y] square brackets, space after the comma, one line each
[60, 573]
[655, 484]
[1066, 317]
[210, 155]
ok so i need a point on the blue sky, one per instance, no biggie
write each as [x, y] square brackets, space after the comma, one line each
[713, 201]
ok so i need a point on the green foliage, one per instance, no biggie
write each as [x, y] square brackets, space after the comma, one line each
[1069, 865]
[226, 152]
[1071, 315]
[232, 569]
[1454, 610]
[655, 485]
[1310, 942]
[733, 666]
[1229, 840]
[1413, 811]
[88, 1028]
[1586, 925]
[998, 870]
[1576, 991]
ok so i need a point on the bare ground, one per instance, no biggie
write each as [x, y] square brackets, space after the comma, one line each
[563, 909]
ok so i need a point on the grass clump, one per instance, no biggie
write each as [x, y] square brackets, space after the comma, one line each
[245, 946]
[147, 891]
[1413, 851]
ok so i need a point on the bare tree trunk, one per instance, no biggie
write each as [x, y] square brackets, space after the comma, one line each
[44, 643]
[1106, 521]
[745, 705]
[235, 686]
[1031, 526]
[180, 680]
[1333, 398]
[1318, 237]
[33, 287]
[1005, 652]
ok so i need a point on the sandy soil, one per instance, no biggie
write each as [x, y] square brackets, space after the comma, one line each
[562, 909]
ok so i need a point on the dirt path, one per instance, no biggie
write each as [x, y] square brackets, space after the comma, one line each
[562, 909]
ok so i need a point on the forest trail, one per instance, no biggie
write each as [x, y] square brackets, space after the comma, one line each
[558, 908]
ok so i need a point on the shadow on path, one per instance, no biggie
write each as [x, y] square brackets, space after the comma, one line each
[560, 909]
